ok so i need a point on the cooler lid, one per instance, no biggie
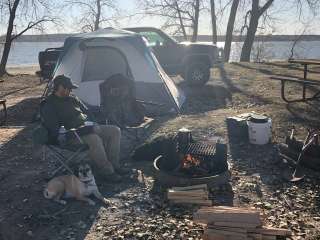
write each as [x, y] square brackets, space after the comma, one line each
[255, 118]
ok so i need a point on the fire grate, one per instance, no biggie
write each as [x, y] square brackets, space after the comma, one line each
[201, 149]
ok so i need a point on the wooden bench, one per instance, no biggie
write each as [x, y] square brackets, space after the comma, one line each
[301, 81]
[3, 103]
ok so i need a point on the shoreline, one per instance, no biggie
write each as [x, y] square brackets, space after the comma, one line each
[23, 69]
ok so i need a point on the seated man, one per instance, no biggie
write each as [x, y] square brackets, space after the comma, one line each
[62, 109]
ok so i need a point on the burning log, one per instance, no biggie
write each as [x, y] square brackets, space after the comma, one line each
[193, 166]
[189, 161]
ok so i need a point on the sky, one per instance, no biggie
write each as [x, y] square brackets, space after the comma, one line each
[284, 14]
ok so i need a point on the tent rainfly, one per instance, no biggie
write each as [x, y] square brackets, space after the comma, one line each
[90, 58]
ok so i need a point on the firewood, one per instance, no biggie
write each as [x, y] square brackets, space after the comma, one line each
[269, 237]
[248, 226]
[231, 229]
[188, 198]
[235, 235]
[228, 209]
[197, 194]
[200, 196]
[193, 187]
[272, 231]
[193, 192]
[213, 236]
[226, 216]
[193, 201]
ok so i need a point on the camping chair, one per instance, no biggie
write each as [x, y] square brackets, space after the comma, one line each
[121, 108]
[62, 155]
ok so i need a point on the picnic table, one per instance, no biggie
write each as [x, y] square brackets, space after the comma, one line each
[303, 81]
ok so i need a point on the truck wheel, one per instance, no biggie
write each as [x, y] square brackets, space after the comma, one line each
[197, 73]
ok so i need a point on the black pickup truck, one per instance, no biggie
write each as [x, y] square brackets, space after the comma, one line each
[191, 60]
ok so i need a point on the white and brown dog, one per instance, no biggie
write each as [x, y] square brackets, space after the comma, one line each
[70, 186]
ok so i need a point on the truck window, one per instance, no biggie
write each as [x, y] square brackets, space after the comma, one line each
[153, 39]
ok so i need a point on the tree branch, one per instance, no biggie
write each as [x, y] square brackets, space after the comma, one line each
[265, 7]
[31, 25]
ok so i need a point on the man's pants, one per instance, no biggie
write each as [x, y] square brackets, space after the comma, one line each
[104, 144]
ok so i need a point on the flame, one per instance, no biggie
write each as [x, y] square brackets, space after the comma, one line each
[190, 161]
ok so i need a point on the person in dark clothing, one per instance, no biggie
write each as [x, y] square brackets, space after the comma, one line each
[62, 109]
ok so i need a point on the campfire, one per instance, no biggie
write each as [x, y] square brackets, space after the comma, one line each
[184, 161]
[190, 162]
[193, 166]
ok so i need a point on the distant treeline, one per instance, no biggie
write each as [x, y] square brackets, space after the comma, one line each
[201, 38]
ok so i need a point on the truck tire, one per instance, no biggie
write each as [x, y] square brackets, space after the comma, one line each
[197, 73]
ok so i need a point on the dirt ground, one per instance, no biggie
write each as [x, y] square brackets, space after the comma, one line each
[137, 210]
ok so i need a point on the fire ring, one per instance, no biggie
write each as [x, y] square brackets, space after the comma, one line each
[168, 178]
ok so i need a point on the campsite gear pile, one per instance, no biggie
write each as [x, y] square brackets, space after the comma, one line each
[226, 223]
[249, 127]
[196, 194]
[91, 58]
[298, 153]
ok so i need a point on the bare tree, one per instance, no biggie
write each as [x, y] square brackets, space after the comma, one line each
[94, 13]
[295, 42]
[255, 13]
[230, 26]
[195, 19]
[213, 21]
[35, 13]
[180, 16]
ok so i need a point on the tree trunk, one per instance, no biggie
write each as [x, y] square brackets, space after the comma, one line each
[7, 45]
[98, 15]
[256, 13]
[248, 42]
[229, 33]
[196, 21]
[213, 22]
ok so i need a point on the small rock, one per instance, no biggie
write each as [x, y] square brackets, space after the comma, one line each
[99, 228]
[30, 233]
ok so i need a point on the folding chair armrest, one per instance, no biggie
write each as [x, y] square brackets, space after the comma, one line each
[72, 134]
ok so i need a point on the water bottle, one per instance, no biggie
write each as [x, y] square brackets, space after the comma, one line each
[62, 136]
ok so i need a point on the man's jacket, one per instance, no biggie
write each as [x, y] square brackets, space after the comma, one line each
[56, 111]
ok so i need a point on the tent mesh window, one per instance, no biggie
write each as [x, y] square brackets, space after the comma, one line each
[103, 62]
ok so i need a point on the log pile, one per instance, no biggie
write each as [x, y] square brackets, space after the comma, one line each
[196, 194]
[225, 223]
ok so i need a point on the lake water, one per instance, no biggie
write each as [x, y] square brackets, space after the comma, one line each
[26, 53]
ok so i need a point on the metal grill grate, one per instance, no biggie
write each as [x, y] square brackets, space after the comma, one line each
[201, 149]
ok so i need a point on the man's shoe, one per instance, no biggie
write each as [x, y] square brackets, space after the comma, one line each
[123, 171]
[112, 178]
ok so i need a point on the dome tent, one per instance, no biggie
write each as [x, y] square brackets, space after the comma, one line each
[90, 58]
